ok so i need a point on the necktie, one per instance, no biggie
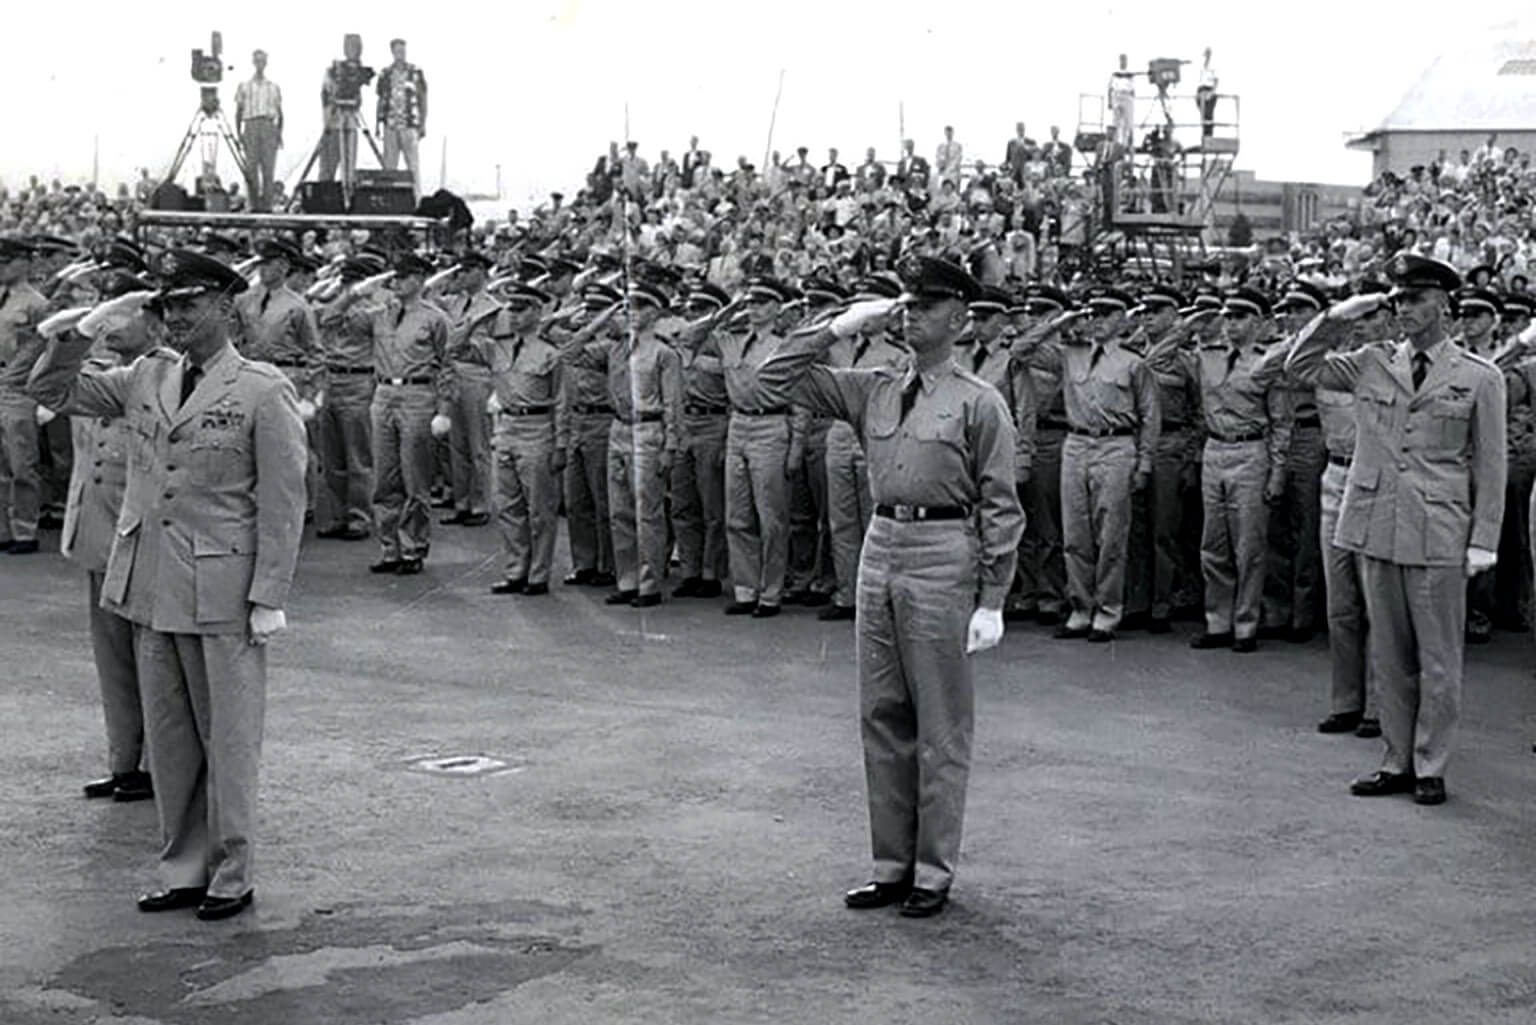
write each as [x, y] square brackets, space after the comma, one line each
[859, 351]
[1232, 358]
[5, 297]
[190, 375]
[979, 358]
[517, 349]
[265, 299]
[1093, 361]
[748, 346]
[909, 396]
[399, 316]
[1420, 369]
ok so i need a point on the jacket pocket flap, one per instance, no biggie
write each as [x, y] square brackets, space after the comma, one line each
[128, 524]
[227, 544]
[1366, 478]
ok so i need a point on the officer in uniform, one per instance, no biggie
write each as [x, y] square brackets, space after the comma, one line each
[937, 563]
[1294, 572]
[1477, 318]
[22, 308]
[584, 394]
[469, 441]
[1114, 419]
[95, 498]
[1513, 597]
[55, 439]
[527, 442]
[809, 574]
[1044, 584]
[761, 451]
[698, 475]
[343, 507]
[987, 354]
[849, 505]
[645, 389]
[1423, 504]
[206, 547]
[411, 399]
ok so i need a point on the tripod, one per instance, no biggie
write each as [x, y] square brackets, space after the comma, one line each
[209, 125]
[344, 136]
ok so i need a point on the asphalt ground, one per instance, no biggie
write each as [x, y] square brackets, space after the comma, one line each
[1154, 835]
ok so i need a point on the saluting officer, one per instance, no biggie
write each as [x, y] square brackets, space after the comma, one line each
[1513, 591]
[469, 439]
[1043, 587]
[206, 546]
[22, 308]
[987, 354]
[937, 563]
[344, 506]
[1422, 505]
[698, 475]
[584, 394]
[1477, 313]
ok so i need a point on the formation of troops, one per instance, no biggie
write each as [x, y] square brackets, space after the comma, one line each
[899, 449]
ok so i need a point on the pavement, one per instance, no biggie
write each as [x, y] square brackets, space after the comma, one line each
[651, 816]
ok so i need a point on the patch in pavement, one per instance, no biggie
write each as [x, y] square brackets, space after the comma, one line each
[463, 765]
[342, 968]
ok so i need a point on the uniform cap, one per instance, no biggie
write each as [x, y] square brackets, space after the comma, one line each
[185, 273]
[641, 291]
[1301, 295]
[880, 285]
[1046, 299]
[1248, 300]
[279, 249]
[1411, 271]
[363, 265]
[16, 249]
[1110, 297]
[126, 254]
[514, 291]
[560, 266]
[112, 283]
[52, 245]
[408, 263]
[474, 259]
[991, 300]
[928, 277]
[1518, 304]
[710, 294]
[769, 288]
[1160, 295]
[598, 296]
[1472, 301]
[821, 289]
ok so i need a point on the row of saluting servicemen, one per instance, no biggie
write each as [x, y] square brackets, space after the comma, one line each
[722, 406]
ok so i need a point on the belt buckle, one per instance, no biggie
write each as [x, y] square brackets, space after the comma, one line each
[905, 513]
[398, 382]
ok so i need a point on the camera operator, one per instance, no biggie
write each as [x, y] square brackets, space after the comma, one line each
[340, 99]
[259, 120]
[402, 113]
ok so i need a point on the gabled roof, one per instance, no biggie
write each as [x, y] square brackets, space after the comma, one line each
[1484, 88]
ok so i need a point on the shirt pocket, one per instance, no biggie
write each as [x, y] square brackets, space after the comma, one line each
[1452, 421]
[1359, 505]
[1376, 406]
[942, 427]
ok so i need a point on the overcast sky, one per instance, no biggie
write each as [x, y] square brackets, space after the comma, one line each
[540, 86]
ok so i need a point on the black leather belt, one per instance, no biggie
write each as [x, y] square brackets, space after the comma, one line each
[591, 409]
[1170, 425]
[1308, 421]
[1237, 439]
[918, 513]
[527, 410]
[348, 370]
[781, 411]
[397, 381]
[699, 409]
[1339, 460]
[639, 418]
[1108, 432]
[288, 365]
[1054, 425]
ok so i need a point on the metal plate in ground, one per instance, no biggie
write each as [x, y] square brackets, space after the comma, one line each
[463, 765]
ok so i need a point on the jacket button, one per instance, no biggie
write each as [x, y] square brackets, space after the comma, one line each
[170, 469]
[165, 523]
[169, 495]
[96, 480]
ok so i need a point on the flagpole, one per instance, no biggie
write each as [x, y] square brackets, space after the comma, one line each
[773, 118]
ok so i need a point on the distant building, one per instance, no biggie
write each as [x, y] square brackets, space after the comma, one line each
[1275, 208]
[1455, 105]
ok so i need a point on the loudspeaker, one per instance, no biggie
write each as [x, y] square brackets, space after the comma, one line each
[322, 198]
[168, 196]
[387, 201]
[370, 178]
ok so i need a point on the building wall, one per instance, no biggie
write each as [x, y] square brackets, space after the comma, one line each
[1399, 151]
[1275, 208]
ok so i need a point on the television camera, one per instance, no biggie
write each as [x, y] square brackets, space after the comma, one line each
[350, 74]
[208, 68]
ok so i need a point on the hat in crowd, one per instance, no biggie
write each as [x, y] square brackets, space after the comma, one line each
[1302, 295]
[708, 294]
[992, 300]
[1160, 295]
[279, 249]
[1370, 286]
[408, 263]
[598, 296]
[52, 245]
[928, 277]
[521, 293]
[769, 288]
[15, 249]
[647, 292]
[1046, 299]
[1411, 271]
[1202, 301]
[821, 289]
[560, 266]
[112, 283]
[303, 263]
[1110, 297]
[879, 285]
[473, 259]
[185, 273]
[1518, 304]
[363, 265]
[1248, 300]
[127, 255]
[1481, 268]
[1472, 301]
[530, 267]
[216, 243]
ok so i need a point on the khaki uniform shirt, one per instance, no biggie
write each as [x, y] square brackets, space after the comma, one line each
[644, 381]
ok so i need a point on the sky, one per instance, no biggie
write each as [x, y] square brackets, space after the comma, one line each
[539, 87]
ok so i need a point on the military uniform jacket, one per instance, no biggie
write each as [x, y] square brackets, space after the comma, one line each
[96, 485]
[214, 502]
[1429, 471]
[278, 327]
[22, 308]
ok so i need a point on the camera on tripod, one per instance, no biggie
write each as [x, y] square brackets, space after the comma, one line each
[350, 74]
[208, 68]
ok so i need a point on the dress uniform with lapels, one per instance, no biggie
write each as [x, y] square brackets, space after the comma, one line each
[1423, 505]
[22, 307]
[343, 509]
[937, 563]
[205, 552]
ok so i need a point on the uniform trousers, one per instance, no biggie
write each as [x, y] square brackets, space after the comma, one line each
[402, 462]
[1232, 540]
[637, 492]
[20, 496]
[1294, 569]
[313, 473]
[1096, 519]
[757, 506]
[117, 674]
[916, 592]
[1349, 692]
[402, 142]
[469, 439]
[205, 699]
[1156, 569]
[57, 456]
[810, 552]
[346, 453]
[586, 493]
[1041, 562]
[1416, 642]
[1512, 575]
[260, 141]
[526, 496]
[698, 497]
[849, 508]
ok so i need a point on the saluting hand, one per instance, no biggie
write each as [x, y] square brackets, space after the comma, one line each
[1357, 306]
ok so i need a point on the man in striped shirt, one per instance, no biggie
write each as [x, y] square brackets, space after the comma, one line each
[259, 120]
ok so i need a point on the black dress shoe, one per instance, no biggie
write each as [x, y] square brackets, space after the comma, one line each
[765, 611]
[1368, 728]
[601, 578]
[1245, 645]
[741, 608]
[101, 787]
[1383, 783]
[646, 601]
[1475, 634]
[1136, 621]
[479, 519]
[1300, 634]
[837, 614]
[26, 547]
[1207, 641]
[688, 588]
[353, 534]
[877, 895]
[1070, 633]
[212, 909]
[6, 546]
[621, 597]
[1429, 790]
[1159, 626]
[798, 596]
[534, 590]
[49, 521]
[921, 903]
[409, 567]
[330, 533]
[454, 520]
[1100, 636]
[172, 900]
[1014, 614]
[1340, 722]
[509, 586]
[1273, 633]
[1046, 617]
[134, 786]
[442, 503]
[708, 589]
[579, 578]
[385, 566]
[815, 599]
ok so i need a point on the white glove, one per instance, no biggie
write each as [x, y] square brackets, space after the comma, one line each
[306, 409]
[441, 425]
[319, 400]
[1480, 559]
[265, 622]
[986, 630]
[1357, 306]
[62, 321]
[44, 416]
[855, 317]
[124, 307]
[367, 285]
[493, 404]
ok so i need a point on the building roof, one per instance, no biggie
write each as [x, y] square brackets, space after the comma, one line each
[1486, 87]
